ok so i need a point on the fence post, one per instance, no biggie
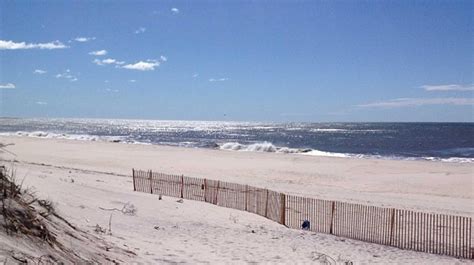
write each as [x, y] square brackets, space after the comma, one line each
[217, 191]
[282, 208]
[182, 186]
[332, 218]
[266, 204]
[246, 196]
[133, 177]
[469, 238]
[151, 182]
[392, 224]
[205, 190]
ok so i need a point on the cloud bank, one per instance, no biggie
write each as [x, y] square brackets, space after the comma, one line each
[414, 102]
[98, 53]
[7, 86]
[39, 72]
[148, 65]
[453, 87]
[67, 75]
[10, 45]
[107, 61]
[140, 30]
[218, 79]
[84, 39]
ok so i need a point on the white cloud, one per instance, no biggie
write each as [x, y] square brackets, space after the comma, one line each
[175, 10]
[218, 79]
[39, 72]
[111, 90]
[84, 39]
[41, 103]
[453, 87]
[107, 61]
[98, 62]
[148, 65]
[10, 45]
[7, 86]
[67, 75]
[132, 80]
[98, 53]
[140, 30]
[195, 75]
[111, 61]
[413, 102]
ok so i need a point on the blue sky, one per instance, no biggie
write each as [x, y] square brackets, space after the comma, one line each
[238, 60]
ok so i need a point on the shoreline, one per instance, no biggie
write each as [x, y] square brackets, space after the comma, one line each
[418, 185]
[261, 147]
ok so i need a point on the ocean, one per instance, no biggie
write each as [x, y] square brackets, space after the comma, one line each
[449, 142]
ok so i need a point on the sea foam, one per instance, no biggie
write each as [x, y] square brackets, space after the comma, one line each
[79, 137]
[270, 148]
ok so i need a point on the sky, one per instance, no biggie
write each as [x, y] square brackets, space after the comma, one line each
[315, 61]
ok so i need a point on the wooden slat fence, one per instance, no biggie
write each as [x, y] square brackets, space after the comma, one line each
[231, 195]
[426, 232]
[317, 212]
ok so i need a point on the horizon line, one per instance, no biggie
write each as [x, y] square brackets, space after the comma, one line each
[237, 121]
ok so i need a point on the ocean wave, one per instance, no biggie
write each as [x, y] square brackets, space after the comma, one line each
[257, 147]
[332, 130]
[329, 130]
[461, 160]
[269, 147]
[79, 137]
[323, 153]
[456, 154]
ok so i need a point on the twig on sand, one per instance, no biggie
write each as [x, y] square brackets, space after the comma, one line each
[128, 209]
[110, 209]
[110, 224]
[3, 149]
[323, 258]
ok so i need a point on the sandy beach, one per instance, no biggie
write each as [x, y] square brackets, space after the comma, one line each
[238, 132]
[422, 185]
[84, 179]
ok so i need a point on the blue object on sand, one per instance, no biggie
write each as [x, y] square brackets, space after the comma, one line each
[305, 225]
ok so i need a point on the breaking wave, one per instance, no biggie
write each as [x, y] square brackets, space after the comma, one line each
[331, 130]
[457, 155]
[269, 147]
[79, 137]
